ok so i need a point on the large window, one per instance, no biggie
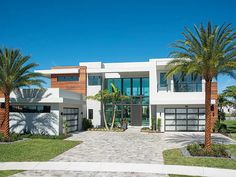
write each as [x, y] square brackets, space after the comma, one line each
[67, 78]
[145, 86]
[187, 83]
[94, 80]
[30, 108]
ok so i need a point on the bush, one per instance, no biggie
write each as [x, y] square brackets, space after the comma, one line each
[13, 137]
[86, 124]
[220, 127]
[39, 136]
[159, 124]
[154, 123]
[218, 150]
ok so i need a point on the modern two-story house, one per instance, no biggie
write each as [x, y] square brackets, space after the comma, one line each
[177, 101]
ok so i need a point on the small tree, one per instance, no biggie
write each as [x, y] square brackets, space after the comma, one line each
[104, 97]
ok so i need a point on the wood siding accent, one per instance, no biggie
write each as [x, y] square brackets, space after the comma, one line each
[74, 86]
[214, 95]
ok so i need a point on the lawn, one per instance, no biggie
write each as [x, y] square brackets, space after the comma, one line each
[175, 157]
[33, 150]
[231, 126]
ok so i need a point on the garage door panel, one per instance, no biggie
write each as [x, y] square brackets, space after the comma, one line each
[184, 119]
[71, 116]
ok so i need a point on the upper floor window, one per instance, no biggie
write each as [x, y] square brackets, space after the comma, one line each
[163, 81]
[94, 80]
[187, 83]
[67, 78]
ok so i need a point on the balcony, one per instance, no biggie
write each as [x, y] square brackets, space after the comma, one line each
[187, 87]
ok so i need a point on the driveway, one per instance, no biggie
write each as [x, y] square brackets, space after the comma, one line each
[130, 146]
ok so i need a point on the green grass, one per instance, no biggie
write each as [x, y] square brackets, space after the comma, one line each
[33, 150]
[231, 126]
[8, 173]
[175, 157]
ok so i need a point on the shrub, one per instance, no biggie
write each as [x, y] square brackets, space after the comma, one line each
[159, 124]
[154, 123]
[218, 150]
[13, 137]
[220, 127]
[86, 124]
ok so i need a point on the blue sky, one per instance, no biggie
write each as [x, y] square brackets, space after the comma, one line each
[57, 32]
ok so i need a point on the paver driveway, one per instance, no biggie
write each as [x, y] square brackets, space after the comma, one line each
[131, 146]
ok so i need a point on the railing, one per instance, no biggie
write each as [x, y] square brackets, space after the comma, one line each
[187, 87]
[181, 87]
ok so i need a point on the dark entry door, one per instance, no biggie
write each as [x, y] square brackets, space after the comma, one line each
[136, 115]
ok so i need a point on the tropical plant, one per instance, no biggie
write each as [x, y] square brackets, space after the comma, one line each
[206, 51]
[104, 97]
[15, 72]
[230, 94]
[116, 97]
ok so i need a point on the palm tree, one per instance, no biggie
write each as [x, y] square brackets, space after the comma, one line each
[206, 51]
[230, 93]
[15, 72]
[104, 97]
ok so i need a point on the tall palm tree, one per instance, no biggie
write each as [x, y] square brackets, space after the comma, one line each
[206, 51]
[15, 72]
[230, 93]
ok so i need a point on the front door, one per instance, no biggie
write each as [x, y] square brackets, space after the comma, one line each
[136, 115]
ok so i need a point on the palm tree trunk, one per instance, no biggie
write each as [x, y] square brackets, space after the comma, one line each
[104, 117]
[208, 115]
[113, 117]
[6, 120]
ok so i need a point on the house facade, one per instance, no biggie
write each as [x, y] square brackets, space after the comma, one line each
[177, 101]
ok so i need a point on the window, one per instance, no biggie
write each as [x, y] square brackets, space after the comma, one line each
[117, 84]
[127, 87]
[94, 80]
[30, 108]
[136, 86]
[90, 113]
[145, 86]
[187, 83]
[67, 78]
[163, 81]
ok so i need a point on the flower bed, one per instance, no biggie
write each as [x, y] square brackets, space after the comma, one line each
[218, 150]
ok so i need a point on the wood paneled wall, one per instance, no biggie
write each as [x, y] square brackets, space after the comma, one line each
[75, 86]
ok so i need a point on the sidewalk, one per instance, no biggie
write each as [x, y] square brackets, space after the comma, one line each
[118, 167]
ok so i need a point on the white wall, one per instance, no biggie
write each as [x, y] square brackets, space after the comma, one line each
[36, 123]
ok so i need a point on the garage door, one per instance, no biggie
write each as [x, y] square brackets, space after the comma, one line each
[184, 119]
[71, 116]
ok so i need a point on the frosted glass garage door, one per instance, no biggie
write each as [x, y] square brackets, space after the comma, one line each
[184, 119]
[70, 119]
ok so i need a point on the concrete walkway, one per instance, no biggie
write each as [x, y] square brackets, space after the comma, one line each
[117, 168]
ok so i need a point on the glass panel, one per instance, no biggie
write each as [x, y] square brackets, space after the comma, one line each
[145, 100]
[181, 116]
[181, 122]
[127, 113]
[201, 110]
[181, 128]
[109, 81]
[170, 116]
[192, 128]
[187, 83]
[145, 86]
[145, 115]
[170, 128]
[163, 81]
[170, 122]
[190, 110]
[136, 86]
[202, 122]
[117, 83]
[127, 87]
[192, 116]
[202, 116]
[201, 128]
[181, 110]
[192, 122]
[136, 100]
[94, 80]
[169, 110]
[67, 78]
